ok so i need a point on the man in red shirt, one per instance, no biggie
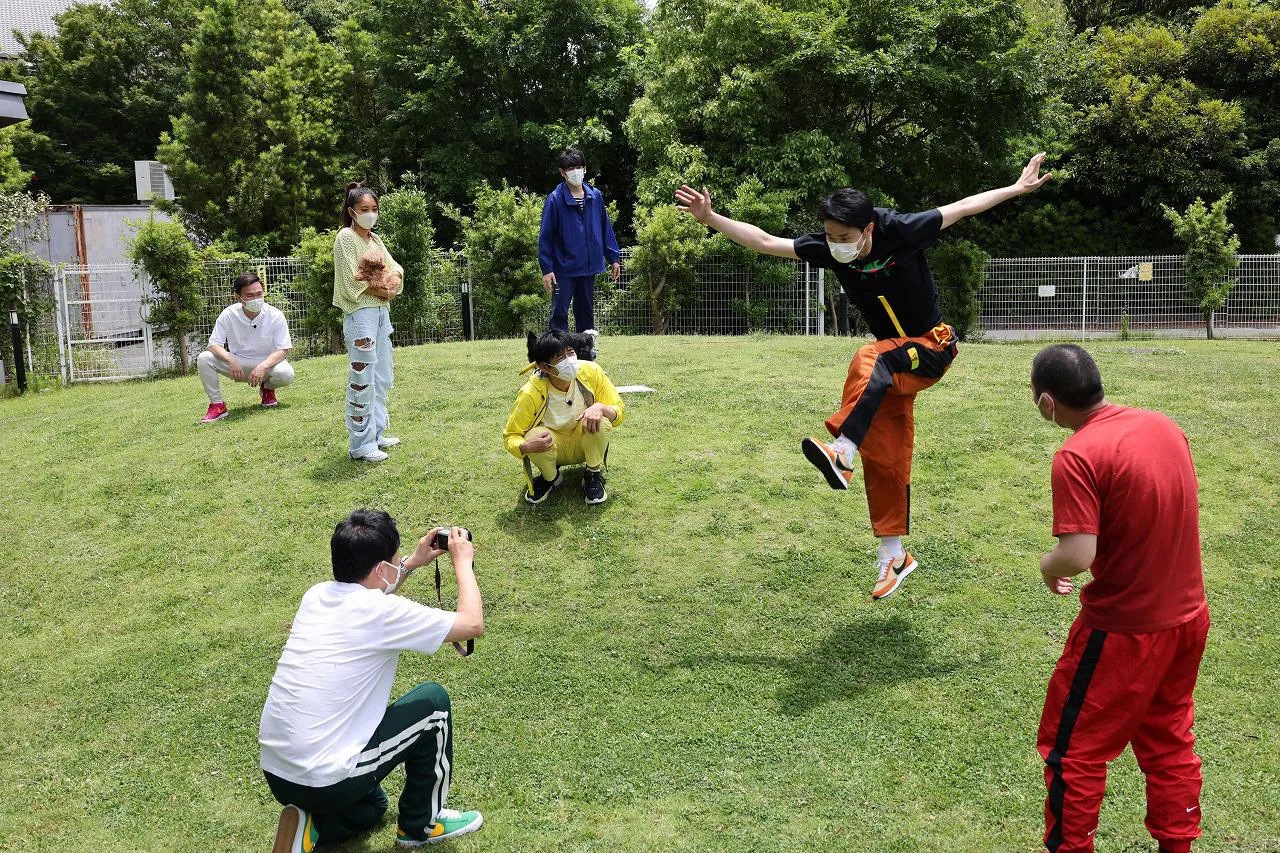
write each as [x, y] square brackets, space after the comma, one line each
[1124, 507]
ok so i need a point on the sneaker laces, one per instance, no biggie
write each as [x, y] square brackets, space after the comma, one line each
[885, 565]
[451, 814]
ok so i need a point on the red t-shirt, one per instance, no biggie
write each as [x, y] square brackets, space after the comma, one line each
[1127, 477]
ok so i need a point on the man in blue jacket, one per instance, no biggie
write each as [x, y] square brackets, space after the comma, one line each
[575, 242]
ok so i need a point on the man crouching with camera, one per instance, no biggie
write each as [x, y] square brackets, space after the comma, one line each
[327, 736]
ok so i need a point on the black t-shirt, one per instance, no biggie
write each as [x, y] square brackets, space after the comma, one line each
[895, 269]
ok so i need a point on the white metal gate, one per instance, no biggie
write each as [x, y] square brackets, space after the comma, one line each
[102, 327]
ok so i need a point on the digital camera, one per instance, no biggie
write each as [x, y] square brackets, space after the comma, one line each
[442, 538]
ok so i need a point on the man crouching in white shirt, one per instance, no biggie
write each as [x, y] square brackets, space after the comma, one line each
[249, 343]
[327, 736]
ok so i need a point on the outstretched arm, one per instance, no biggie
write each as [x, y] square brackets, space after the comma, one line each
[1030, 181]
[698, 205]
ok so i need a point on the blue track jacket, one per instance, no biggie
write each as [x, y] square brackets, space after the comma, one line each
[575, 244]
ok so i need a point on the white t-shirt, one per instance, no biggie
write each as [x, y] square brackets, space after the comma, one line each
[334, 678]
[563, 407]
[251, 340]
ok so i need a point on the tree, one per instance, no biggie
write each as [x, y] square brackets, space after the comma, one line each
[12, 176]
[427, 303]
[960, 268]
[1211, 253]
[1092, 14]
[176, 270]
[1149, 114]
[323, 318]
[668, 245]
[258, 151]
[100, 92]
[501, 244]
[913, 101]
[491, 91]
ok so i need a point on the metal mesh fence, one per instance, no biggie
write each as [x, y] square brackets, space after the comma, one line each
[731, 297]
[1108, 297]
[95, 323]
[282, 279]
[103, 322]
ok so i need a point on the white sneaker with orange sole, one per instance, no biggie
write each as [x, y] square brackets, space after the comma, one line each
[892, 573]
[825, 459]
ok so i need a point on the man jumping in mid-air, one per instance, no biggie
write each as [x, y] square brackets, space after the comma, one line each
[878, 256]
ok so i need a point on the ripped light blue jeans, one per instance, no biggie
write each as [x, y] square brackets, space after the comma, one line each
[369, 376]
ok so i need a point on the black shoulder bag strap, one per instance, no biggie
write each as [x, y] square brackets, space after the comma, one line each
[471, 644]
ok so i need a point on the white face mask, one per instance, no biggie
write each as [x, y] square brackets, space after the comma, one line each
[255, 305]
[575, 176]
[846, 252]
[367, 219]
[400, 573]
[1052, 417]
[567, 367]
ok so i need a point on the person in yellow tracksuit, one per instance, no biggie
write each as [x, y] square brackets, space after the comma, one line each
[564, 415]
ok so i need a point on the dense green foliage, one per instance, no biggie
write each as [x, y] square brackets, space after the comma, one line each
[100, 93]
[21, 226]
[427, 307]
[256, 150]
[176, 269]
[501, 237]
[271, 107]
[959, 269]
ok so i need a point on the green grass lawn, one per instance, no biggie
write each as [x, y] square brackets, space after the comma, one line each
[697, 664]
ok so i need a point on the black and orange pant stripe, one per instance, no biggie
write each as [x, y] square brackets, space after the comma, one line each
[877, 414]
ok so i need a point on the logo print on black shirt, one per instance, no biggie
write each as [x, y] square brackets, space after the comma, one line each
[874, 268]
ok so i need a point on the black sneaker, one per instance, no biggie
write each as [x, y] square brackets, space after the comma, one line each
[541, 488]
[593, 487]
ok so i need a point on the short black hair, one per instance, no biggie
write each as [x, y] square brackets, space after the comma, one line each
[548, 345]
[1067, 373]
[571, 158]
[244, 280]
[848, 207]
[361, 541]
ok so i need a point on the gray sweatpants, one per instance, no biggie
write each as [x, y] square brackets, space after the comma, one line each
[210, 366]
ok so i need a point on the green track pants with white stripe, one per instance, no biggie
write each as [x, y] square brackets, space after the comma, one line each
[416, 731]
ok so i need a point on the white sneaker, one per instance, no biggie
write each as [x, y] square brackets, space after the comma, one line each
[370, 456]
[388, 441]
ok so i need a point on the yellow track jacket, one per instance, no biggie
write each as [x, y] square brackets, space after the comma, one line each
[531, 402]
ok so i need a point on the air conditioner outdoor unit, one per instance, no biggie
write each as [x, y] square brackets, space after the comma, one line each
[152, 181]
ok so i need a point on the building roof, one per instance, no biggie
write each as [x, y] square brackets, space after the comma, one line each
[28, 16]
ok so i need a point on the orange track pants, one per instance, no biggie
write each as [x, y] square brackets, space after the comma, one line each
[876, 413]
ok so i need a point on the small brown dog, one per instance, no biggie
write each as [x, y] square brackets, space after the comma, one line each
[372, 269]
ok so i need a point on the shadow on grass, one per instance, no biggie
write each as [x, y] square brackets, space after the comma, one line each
[545, 522]
[868, 654]
[250, 410]
[339, 467]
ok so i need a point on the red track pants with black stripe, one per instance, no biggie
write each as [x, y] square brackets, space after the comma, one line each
[1109, 691]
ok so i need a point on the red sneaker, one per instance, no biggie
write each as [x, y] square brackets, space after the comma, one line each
[217, 411]
[269, 397]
